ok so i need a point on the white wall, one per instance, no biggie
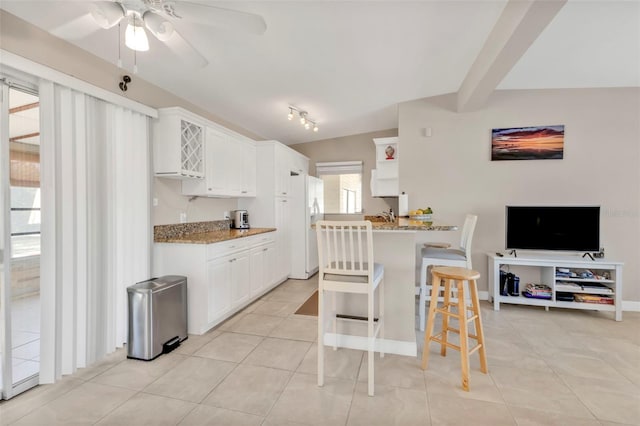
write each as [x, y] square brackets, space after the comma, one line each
[452, 171]
[171, 203]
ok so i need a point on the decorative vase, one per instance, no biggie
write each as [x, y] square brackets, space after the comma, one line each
[390, 151]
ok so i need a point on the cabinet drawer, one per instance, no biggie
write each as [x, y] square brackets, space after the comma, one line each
[226, 247]
[260, 239]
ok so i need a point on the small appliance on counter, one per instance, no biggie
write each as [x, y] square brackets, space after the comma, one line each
[240, 219]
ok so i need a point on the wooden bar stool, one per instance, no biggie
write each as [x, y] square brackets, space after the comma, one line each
[458, 310]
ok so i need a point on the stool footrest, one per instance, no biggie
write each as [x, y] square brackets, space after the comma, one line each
[472, 318]
[475, 348]
[354, 318]
[437, 339]
[444, 311]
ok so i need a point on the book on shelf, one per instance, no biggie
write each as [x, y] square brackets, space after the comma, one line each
[568, 286]
[596, 286]
[594, 298]
[562, 296]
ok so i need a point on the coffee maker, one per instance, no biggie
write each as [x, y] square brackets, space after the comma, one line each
[240, 219]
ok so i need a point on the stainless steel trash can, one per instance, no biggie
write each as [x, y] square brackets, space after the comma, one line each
[157, 316]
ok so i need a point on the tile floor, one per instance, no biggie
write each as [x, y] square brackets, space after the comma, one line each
[25, 329]
[561, 367]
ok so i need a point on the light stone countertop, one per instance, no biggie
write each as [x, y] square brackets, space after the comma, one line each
[213, 236]
[406, 224]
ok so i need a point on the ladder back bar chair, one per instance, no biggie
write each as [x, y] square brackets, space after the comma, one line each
[346, 265]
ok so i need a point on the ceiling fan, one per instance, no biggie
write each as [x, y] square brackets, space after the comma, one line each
[159, 17]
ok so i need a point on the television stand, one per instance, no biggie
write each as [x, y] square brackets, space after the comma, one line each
[605, 284]
[588, 254]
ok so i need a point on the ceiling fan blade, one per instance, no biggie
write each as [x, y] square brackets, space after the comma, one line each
[216, 16]
[159, 27]
[107, 13]
[185, 50]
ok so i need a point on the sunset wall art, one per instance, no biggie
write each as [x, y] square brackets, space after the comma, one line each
[528, 143]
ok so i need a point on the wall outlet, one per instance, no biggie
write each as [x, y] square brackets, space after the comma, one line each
[183, 217]
[226, 215]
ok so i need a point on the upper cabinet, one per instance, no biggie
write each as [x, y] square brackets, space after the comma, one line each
[385, 177]
[230, 167]
[178, 144]
[212, 161]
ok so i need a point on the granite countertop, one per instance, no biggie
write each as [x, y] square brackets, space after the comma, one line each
[202, 232]
[405, 224]
[213, 236]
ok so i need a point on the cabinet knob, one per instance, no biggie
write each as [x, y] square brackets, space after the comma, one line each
[244, 192]
[208, 189]
[265, 249]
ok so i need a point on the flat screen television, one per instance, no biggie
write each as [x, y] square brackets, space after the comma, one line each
[566, 228]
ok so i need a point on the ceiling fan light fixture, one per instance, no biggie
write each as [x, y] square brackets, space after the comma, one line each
[107, 14]
[159, 27]
[135, 37]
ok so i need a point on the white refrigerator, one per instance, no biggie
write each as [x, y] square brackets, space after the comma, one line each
[307, 207]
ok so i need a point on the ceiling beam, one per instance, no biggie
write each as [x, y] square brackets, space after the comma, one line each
[519, 25]
[27, 136]
[24, 107]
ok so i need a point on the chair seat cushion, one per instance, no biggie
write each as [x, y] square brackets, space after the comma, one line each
[442, 253]
[378, 269]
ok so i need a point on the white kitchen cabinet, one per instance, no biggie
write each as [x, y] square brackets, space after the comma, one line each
[178, 138]
[385, 177]
[218, 288]
[262, 268]
[282, 171]
[222, 278]
[249, 164]
[283, 237]
[241, 278]
[270, 208]
[230, 167]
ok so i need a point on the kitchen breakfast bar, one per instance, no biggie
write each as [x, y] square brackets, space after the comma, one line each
[394, 246]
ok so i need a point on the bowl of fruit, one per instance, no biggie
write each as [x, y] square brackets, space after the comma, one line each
[421, 214]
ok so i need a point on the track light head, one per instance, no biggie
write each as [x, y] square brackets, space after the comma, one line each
[304, 118]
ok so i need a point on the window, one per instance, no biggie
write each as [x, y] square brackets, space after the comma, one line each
[24, 173]
[342, 186]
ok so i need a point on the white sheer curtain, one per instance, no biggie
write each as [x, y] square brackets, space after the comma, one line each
[95, 225]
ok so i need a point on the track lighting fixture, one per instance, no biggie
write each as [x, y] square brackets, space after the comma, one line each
[304, 118]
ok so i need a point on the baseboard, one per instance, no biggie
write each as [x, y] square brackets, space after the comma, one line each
[398, 347]
[483, 295]
[630, 306]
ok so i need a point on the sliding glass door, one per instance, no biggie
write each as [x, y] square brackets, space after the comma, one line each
[19, 240]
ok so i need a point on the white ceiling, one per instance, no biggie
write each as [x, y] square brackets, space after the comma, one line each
[350, 63]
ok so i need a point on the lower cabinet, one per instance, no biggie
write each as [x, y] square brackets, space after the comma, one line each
[218, 287]
[222, 278]
[262, 269]
[282, 265]
[240, 278]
